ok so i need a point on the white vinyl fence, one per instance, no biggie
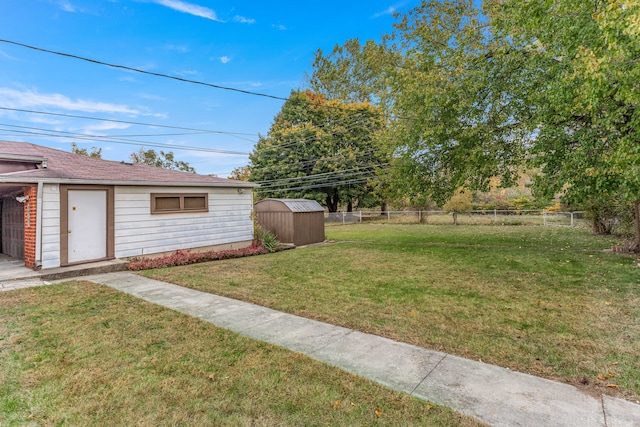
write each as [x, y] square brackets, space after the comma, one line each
[484, 217]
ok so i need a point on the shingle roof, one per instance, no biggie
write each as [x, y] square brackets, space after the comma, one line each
[63, 166]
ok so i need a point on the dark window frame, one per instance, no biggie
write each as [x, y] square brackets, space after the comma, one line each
[181, 209]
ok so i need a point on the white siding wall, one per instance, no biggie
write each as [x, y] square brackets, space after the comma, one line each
[137, 232]
[50, 226]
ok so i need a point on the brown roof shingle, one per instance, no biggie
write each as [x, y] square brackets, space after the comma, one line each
[63, 166]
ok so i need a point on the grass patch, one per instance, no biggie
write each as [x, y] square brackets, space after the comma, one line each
[541, 300]
[83, 354]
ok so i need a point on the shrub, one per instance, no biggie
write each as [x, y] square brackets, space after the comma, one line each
[265, 238]
[187, 257]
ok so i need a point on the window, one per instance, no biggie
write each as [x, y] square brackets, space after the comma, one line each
[179, 203]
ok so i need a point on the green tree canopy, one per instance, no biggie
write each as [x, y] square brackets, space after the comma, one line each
[94, 152]
[241, 173]
[478, 90]
[319, 149]
[161, 160]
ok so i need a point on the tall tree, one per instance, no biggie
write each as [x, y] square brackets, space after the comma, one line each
[476, 92]
[241, 173]
[354, 72]
[586, 116]
[319, 149]
[94, 152]
[161, 160]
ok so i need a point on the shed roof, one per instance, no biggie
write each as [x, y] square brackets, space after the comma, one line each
[300, 205]
[62, 166]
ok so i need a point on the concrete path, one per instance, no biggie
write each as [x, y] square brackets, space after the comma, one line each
[494, 395]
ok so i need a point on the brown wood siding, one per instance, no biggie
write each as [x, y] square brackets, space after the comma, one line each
[309, 228]
[279, 223]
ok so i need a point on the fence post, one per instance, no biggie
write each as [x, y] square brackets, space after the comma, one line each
[419, 217]
[388, 217]
[495, 216]
[342, 218]
[360, 216]
[572, 219]
[544, 218]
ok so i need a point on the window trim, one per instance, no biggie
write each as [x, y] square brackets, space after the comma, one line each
[181, 209]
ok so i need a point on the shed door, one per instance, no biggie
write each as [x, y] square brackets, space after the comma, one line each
[87, 225]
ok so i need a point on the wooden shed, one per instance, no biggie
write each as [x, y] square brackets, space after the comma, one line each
[297, 221]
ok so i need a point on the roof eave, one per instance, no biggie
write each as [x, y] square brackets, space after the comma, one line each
[28, 180]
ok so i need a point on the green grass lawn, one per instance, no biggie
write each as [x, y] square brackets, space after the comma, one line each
[542, 300]
[80, 354]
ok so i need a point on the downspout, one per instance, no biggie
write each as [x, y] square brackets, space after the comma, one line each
[39, 226]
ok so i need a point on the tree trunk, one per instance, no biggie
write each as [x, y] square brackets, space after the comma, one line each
[350, 206]
[332, 201]
[383, 208]
[455, 218]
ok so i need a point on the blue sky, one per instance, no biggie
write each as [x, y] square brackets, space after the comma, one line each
[264, 47]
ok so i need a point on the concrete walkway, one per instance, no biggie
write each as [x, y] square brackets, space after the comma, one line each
[494, 395]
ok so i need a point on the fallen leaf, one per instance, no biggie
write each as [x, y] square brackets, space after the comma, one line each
[601, 377]
[212, 377]
[614, 363]
[612, 385]
[611, 374]
[378, 412]
[353, 404]
[607, 302]
[336, 405]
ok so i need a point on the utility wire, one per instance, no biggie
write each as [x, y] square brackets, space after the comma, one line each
[70, 135]
[310, 187]
[181, 79]
[137, 70]
[129, 122]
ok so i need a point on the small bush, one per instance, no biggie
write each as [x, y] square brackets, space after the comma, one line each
[265, 238]
[187, 257]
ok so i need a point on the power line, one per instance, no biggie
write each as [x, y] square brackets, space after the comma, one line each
[181, 79]
[310, 187]
[130, 122]
[99, 138]
[137, 70]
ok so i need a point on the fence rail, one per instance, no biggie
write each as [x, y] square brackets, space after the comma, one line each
[477, 217]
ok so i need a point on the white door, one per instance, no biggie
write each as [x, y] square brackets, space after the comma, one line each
[87, 223]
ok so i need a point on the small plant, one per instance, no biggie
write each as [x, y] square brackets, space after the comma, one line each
[266, 238]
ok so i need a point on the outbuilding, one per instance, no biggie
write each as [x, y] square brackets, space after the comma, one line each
[297, 221]
[59, 208]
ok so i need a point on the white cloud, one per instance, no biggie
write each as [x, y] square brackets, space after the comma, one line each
[102, 126]
[225, 59]
[177, 48]
[42, 120]
[185, 73]
[67, 6]
[243, 20]
[7, 56]
[31, 98]
[151, 97]
[243, 83]
[191, 9]
[390, 10]
[279, 27]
